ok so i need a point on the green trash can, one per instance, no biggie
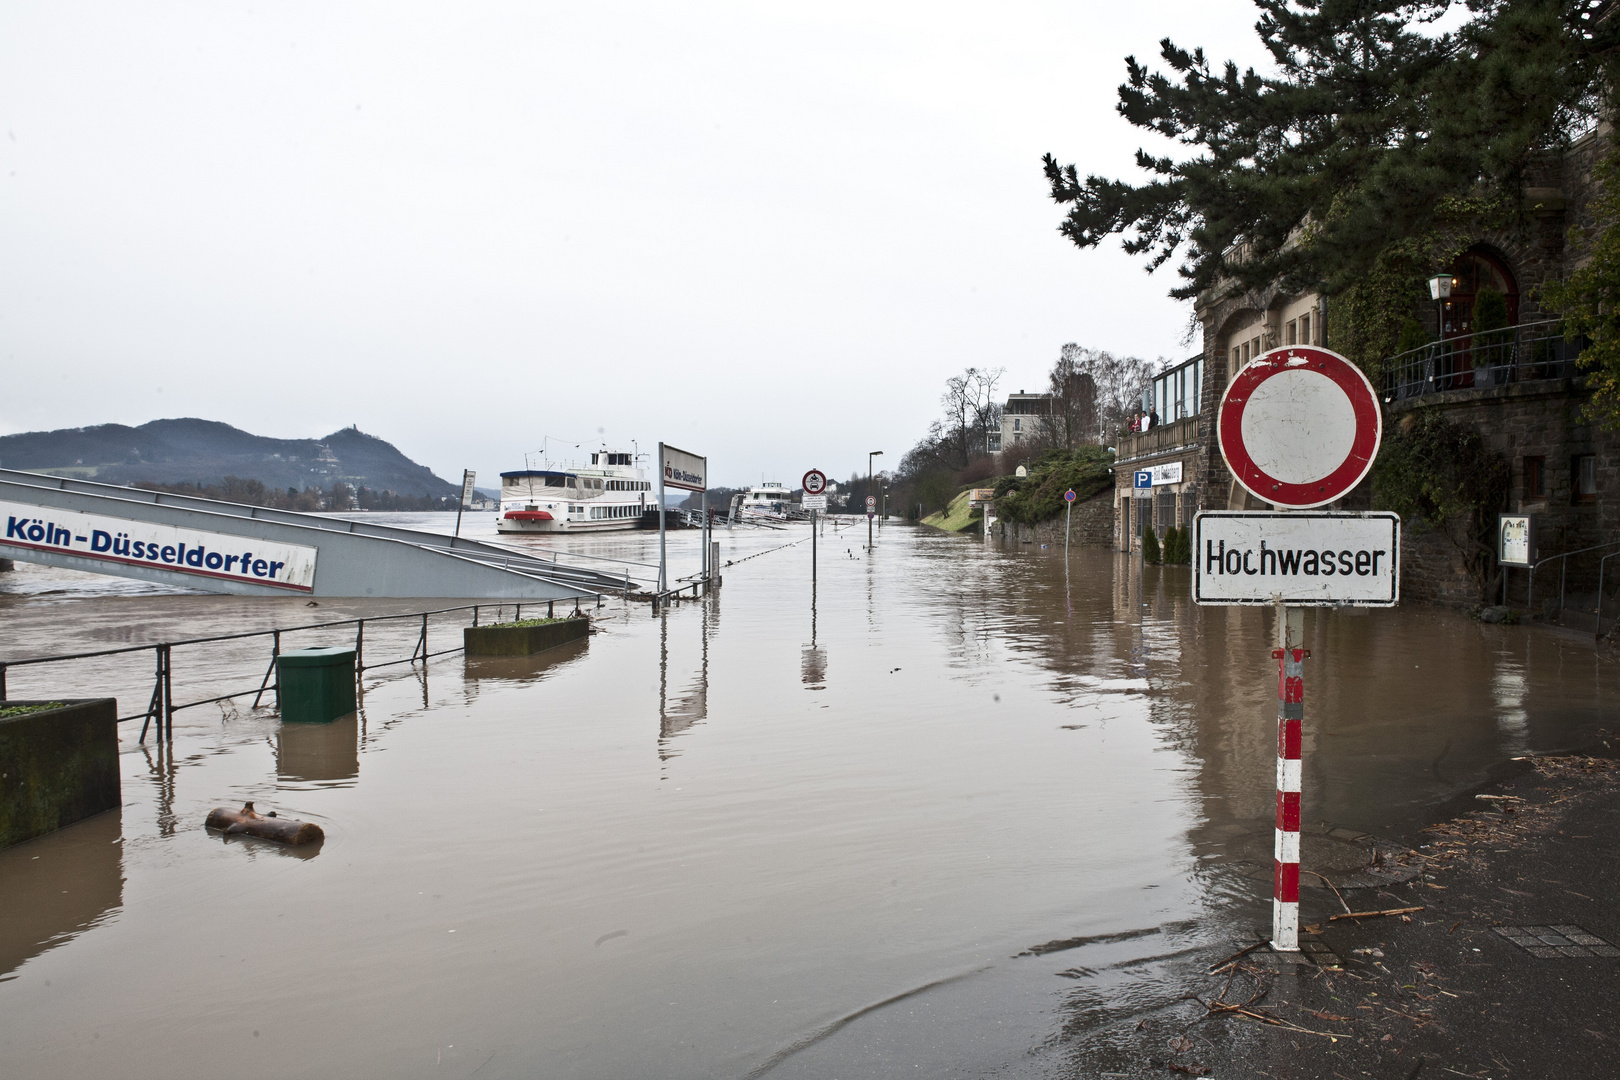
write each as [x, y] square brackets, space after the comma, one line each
[317, 685]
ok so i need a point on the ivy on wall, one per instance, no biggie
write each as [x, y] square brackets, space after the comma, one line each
[1589, 300]
[1372, 319]
[1446, 476]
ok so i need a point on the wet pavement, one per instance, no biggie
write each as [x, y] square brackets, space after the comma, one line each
[953, 812]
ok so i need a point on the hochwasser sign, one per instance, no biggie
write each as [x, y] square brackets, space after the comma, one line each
[165, 547]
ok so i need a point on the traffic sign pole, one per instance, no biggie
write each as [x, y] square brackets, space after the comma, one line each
[1068, 515]
[1298, 427]
[814, 483]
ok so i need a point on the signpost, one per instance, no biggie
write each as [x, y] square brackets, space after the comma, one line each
[1515, 544]
[467, 478]
[1068, 513]
[689, 472]
[1298, 427]
[815, 487]
[1307, 559]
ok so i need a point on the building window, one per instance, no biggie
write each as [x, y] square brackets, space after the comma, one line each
[1535, 478]
[1305, 330]
[1583, 477]
[1291, 332]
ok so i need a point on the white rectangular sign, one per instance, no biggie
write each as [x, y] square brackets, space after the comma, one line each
[165, 547]
[683, 470]
[813, 502]
[1155, 475]
[467, 479]
[1305, 558]
[1513, 539]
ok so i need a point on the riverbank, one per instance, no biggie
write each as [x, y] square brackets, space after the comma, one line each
[1499, 960]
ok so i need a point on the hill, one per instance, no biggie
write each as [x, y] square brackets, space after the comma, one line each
[205, 452]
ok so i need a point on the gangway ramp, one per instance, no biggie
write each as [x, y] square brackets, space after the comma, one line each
[226, 547]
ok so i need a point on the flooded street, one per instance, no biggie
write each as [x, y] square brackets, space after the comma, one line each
[953, 811]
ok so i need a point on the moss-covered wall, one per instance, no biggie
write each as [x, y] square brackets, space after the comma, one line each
[57, 766]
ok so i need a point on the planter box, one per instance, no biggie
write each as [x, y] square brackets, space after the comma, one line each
[57, 766]
[501, 640]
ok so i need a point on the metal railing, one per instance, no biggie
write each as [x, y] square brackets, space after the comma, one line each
[1486, 358]
[1563, 578]
[161, 707]
[1597, 619]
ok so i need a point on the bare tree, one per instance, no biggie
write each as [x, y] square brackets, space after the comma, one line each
[1071, 417]
[1116, 386]
[971, 411]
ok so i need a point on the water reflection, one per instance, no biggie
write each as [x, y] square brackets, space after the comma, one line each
[813, 657]
[55, 890]
[523, 670]
[679, 711]
[321, 755]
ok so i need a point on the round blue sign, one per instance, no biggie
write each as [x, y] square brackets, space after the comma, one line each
[1068, 496]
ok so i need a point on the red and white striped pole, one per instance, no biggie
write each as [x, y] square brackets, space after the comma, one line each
[1290, 721]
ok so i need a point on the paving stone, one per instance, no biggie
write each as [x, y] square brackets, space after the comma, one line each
[1573, 950]
[1544, 952]
[1605, 950]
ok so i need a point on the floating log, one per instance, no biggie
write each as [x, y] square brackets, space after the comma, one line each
[249, 822]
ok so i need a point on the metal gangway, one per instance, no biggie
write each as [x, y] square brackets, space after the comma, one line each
[345, 557]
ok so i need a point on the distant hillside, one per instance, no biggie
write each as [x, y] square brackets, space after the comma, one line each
[204, 452]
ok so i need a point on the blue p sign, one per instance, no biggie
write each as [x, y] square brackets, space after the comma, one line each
[1144, 479]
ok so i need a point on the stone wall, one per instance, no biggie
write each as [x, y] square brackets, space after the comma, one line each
[1544, 420]
[1092, 525]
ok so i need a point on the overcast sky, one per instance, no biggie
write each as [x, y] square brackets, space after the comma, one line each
[766, 232]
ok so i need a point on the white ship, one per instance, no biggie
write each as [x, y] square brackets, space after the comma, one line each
[611, 492]
[770, 496]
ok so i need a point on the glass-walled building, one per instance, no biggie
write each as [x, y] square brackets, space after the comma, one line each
[1176, 391]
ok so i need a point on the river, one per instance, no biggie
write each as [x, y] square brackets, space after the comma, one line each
[953, 811]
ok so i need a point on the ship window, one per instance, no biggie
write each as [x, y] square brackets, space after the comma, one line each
[554, 481]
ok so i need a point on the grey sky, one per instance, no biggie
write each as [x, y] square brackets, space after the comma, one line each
[765, 232]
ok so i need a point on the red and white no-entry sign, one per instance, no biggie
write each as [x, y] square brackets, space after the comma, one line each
[1299, 426]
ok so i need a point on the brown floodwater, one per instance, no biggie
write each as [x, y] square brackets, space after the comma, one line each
[780, 831]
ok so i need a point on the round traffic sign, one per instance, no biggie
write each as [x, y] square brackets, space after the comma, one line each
[871, 502]
[815, 482]
[1068, 496]
[1299, 426]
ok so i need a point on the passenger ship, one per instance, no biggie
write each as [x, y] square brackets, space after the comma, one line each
[612, 492]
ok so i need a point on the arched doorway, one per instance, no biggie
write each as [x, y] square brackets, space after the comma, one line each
[1475, 273]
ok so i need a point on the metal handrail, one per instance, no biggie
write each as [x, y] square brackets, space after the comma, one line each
[1521, 353]
[1563, 576]
[1597, 619]
[162, 706]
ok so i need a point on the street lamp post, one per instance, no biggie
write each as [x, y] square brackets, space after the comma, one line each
[869, 457]
[1439, 291]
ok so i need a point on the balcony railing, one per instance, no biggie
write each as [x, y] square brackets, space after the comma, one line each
[1513, 354]
[1164, 437]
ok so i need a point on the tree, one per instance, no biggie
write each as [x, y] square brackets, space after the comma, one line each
[1590, 299]
[1368, 131]
[971, 411]
[1072, 416]
[1115, 387]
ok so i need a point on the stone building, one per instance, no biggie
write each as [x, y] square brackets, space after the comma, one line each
[1518, 387]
